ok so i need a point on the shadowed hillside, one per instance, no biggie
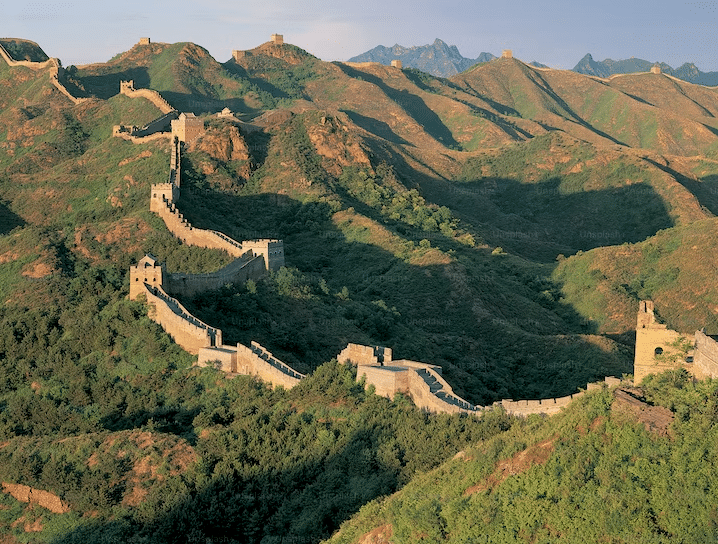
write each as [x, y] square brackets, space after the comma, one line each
[501, 224]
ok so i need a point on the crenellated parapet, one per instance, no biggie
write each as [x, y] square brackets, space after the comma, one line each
[429, 391]
[128, 89]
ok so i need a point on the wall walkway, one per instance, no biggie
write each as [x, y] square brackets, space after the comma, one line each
[53, 64]
[187, 331]
[128, 89]
[430, 391]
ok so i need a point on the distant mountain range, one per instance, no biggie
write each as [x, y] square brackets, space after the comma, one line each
[438, 58]
[443, 60]
[686, 72]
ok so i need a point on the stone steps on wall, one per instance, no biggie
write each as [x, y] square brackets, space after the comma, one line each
[436, 387]
[177, 308]
[267, 356]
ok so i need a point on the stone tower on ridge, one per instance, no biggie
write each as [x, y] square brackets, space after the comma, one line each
[148, 271]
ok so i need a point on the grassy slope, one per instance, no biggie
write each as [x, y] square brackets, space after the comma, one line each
[362, 228]
[572, 478]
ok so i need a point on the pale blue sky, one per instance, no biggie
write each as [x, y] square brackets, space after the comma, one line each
[555, 32]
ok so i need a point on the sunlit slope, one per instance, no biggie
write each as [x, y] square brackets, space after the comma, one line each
[569, 478]
[676, 269]
[192, 80]
[669, 119]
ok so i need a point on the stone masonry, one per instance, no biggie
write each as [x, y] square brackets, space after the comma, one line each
[150, 280]
[424, 384]
[659, 348]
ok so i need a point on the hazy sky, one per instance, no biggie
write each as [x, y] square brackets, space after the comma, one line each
[555, 32]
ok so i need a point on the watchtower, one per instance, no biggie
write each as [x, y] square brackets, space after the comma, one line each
[396, 64]
[277, 39]
[656, 69]
[271, 250]
[127, 87]
[144, 41]
[187, 127]
[507, 54]
[148, 271]
[658, 348]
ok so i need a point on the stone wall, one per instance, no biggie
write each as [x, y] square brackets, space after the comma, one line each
[257, 361]
[182, 229]
[161, 124]
[26, 63]
[250, 361]
[221, 357]
[427, 399]
[237, 272]
[542, 406]
[127, 133]
[705, 357]
[53, 64]
[187, 331]
[387, 380]
[128, 89]
[656, 346]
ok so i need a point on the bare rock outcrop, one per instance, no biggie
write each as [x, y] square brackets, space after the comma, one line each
[25, 493]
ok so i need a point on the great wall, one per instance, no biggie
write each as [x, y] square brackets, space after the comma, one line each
[53, 64]
[657, 347]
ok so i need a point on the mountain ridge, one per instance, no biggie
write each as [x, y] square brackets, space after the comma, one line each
[438, 58]
[608, 67]
[501, 224]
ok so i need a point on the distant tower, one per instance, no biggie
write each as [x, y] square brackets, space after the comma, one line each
[396, 64]
[144, 41]
[127, 87]
[655, 69]
[277, 39]
[507, 54]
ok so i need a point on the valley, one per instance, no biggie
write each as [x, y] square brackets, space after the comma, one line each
[501, 224]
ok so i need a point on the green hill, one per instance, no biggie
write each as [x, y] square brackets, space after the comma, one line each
[594, 473]
[501, 224]
[23, 50]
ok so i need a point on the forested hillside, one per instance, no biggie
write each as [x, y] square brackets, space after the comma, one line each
[502, 224]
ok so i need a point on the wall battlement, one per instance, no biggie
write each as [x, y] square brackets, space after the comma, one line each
[56, 71]
[431, 392]
[128, 89]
